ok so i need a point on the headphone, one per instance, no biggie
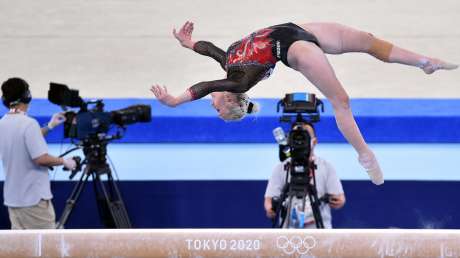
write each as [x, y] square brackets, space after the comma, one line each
[25, 98]
[250, 107]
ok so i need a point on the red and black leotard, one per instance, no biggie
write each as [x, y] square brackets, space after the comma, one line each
[251, 59]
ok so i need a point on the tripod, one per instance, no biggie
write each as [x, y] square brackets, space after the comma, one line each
[110, 205]
[300, 187]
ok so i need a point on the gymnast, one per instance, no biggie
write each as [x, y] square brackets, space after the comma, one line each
[301, 47]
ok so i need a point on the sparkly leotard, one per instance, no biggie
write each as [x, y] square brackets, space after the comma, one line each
[251, 59]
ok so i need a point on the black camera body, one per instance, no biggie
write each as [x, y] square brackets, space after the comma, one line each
[299, 142]
[83, 125]
[87, 122]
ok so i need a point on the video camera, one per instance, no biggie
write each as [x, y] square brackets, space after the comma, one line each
[299, 109]
[87, 122]
[91, 127]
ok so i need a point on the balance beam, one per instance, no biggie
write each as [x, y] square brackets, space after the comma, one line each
[230, 243]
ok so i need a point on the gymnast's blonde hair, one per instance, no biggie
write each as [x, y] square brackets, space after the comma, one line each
[238, 105]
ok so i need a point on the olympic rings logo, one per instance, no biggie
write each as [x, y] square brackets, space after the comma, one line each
[296, 244]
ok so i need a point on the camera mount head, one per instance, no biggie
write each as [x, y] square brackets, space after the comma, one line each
[300, 107]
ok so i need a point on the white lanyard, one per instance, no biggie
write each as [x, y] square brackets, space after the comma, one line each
[16, 111]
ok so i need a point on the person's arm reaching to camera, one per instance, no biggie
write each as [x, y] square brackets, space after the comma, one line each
[56, 119]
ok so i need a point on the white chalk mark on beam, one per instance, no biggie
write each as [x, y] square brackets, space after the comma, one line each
[39, 245]
[64, 247]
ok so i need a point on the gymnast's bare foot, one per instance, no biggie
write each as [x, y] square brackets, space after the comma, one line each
[430, 65]
[370, 163]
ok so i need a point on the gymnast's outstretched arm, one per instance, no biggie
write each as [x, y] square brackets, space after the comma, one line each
[197, 91]
[206, 48]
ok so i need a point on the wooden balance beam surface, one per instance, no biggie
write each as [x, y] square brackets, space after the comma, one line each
[230, 243]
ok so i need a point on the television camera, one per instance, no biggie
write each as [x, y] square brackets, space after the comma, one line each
[89, 128]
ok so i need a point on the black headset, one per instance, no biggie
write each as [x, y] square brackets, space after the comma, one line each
[25, 98]
[250, 107]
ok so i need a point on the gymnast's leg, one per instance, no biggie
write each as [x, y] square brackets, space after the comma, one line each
[335, 38]
[310, 60]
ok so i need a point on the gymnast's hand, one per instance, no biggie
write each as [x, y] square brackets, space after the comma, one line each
[185, 35]
[161, 93]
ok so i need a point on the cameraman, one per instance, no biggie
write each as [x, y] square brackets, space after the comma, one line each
[328, 186]
[25, 159]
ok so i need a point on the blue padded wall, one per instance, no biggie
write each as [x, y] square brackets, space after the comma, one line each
[380, 120]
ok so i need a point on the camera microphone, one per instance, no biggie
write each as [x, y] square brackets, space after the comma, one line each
[280, 136]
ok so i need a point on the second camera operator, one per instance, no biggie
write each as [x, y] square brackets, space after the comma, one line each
[328, 186]
[25, 159]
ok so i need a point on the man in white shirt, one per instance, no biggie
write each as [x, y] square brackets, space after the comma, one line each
[25, 159]
[327, 182]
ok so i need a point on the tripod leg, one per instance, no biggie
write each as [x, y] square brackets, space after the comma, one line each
[103, 203]
[315, 203]
[116, 216]
[287, 219]
[117, 205]
[72, 200]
